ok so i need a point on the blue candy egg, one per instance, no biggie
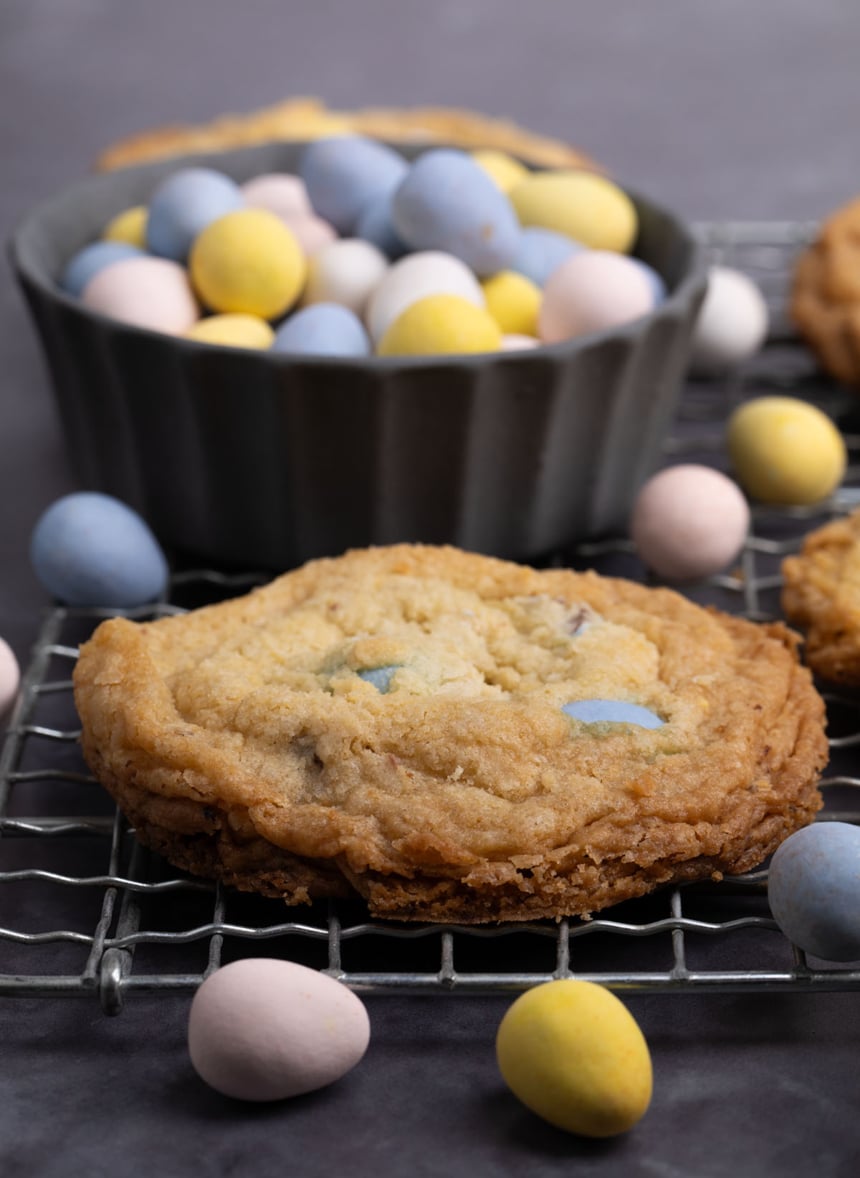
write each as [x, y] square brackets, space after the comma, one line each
[380, 677]
[541, 251]
[87, 262]
[91, 549]
[184, 204]
[343, 174]
[323, 329]
[658, 286]
[448, 202]
[814, 890]
[611, 711]
[376, 226]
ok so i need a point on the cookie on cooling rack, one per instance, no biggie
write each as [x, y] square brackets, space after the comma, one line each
[453, 737]
[821, 594]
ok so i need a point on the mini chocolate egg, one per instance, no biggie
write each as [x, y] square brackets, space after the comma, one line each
[10, 677]
[731, 325]
[145, 292]
[376, 225]
[233, 331]
[344, 173]
[611, 711]
[503, 169]
[448, 202]
[784, 450]
[183, 205]
[513, 301]
[323, 329]
[441, 324]
[379, 677]
[346, 271]
[519, 343]
[87, 262]
[592, 291]
[572, 1053]
[689, 522]
[311, 232]
[541, 251]
[813, 889]
[261, 1029]
[128, 226]
[582, 205]
[248, 261]
[280, 193]
[91, 549]
[414, 277]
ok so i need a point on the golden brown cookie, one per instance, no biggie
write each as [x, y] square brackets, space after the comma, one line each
[391, 723]
[308, 118]
[821, 593]
[825, 296]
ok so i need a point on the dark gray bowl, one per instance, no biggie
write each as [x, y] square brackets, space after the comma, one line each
[243, 457]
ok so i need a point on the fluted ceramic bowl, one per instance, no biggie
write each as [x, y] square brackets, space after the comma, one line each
[241, 457]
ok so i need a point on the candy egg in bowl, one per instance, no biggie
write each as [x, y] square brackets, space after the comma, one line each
[247, 455]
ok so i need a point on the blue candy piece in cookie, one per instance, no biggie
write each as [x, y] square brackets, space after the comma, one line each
[611, 711]
[380, 677]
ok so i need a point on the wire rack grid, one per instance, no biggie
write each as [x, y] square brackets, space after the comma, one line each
[87, 912]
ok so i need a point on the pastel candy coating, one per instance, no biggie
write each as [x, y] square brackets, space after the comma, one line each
[323, 329]
[233, 331]
[279, 192]
[346, 271]
[592, 291]
[503, 169]
[377, 226]
[261, 1029]
[128, 226]
[582, 205]
[441, 324]
[813, 889]
[731, 325]
[541, 251]
[414, 277]
[448, 202]
[519, 343]
[91, 549]
[343, 174]
[379, 677]
[689, 521]
[513, 301]
[146, 292]
[248, 261]
[658, 285]
[10, 676]
[87, 262]
[310, 231]
[183, 205]
[611, 711]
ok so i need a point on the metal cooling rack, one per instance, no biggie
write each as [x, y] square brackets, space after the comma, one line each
[87, 912]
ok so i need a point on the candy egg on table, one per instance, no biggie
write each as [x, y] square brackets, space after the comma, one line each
[310, 231]
[441, 324]
[87, 262]
[260, 1029]
[346, 271]
[688, 522]
[183, 205]
[128, 226]
[233, 331]
[513, 301]
[376, 225]
[414, 277]
[10, 677]
[503, 169]
[541, 251]
[344, 173]
[146, 292]
[91, 549]
[731, 325]
[279, 192]
[592, 291]
[813, 890]
[323, 329]
[248, 261]
[448, 202]
[572, 1053]
[784, 450]
[581, 205]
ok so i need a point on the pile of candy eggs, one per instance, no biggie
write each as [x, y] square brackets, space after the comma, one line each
[363, 252]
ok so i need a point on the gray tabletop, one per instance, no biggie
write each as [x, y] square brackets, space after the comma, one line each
[736, 110]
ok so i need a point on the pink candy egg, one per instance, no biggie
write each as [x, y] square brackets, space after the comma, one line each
[311, 232]
[145, 292]
[591, 291]
[280, 193]
[10, 676]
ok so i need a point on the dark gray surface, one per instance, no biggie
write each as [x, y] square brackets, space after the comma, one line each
[732, 110]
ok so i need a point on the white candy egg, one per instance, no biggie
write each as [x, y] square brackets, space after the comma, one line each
[519, 343]
[732, 323]
[427, 272]
[346, 271]
[10, 676]
[591, 291]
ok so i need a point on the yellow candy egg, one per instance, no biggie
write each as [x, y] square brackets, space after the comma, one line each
[248, 261]
[441, 324]
[128, 226]
[573, 1054]
[501, 168]
[582, 205]
[784, 450]
[513, 301]
[233, 331]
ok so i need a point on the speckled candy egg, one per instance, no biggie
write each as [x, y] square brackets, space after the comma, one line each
[279, 192]
[581, 205]
[441, 325]
[261, 1029]
[10, 676]
[732, 322]
[689, 522]
[592, 291]
[86, 263]
[183, 205]
[413, 278]
[91, 549]
[145, 292]
[344, 173]
[814, 890]
[541, 251]
[346, 272]
[323, 329]
[573, 1054]
[448, 202]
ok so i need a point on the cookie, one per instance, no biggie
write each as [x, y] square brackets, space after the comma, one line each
[821, 594]
[308, 118]
[392, 723]
[825, 295]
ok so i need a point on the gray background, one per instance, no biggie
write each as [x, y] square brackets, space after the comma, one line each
[734, 109]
